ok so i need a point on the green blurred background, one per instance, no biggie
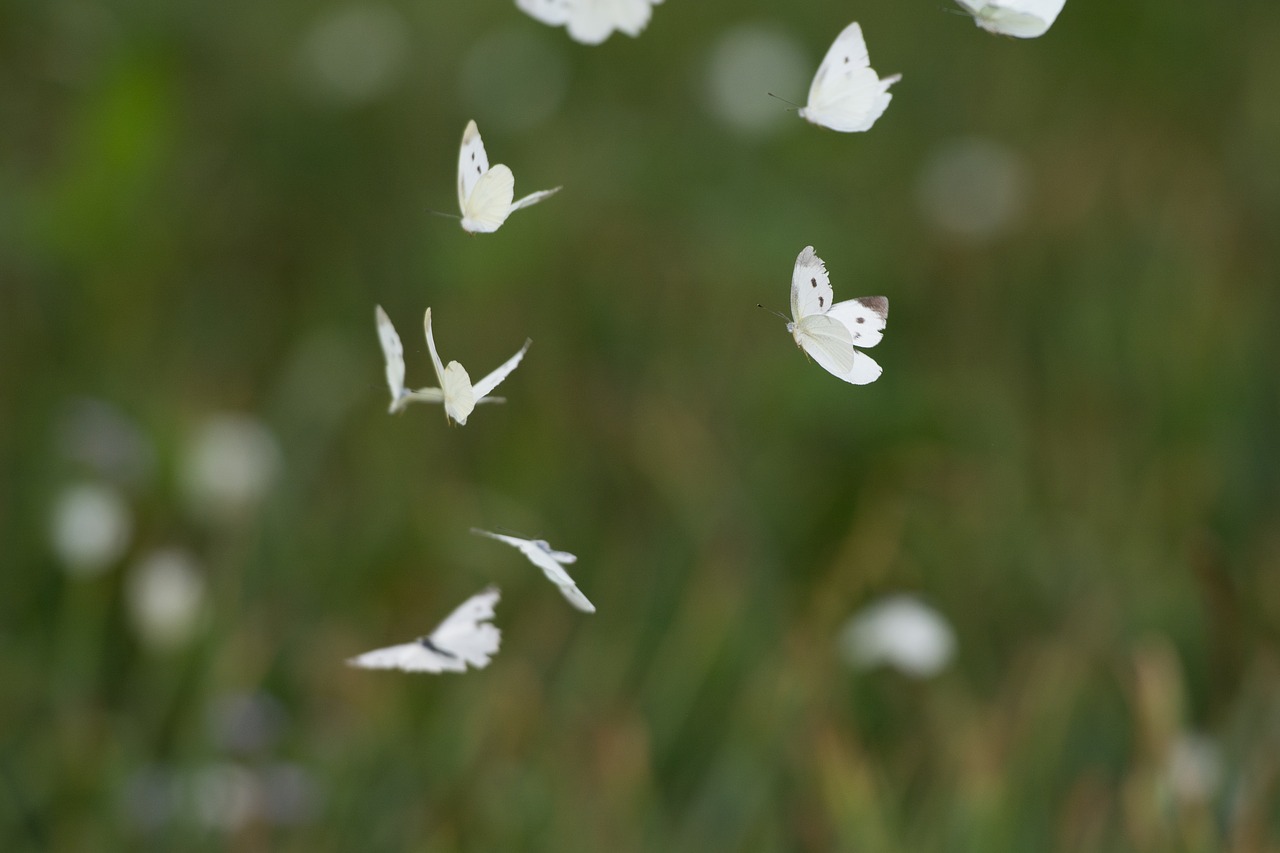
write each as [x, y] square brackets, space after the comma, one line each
[1071, 455]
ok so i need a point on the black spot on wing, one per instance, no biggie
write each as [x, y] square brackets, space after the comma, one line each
[427, 644]
[820, 300]
[813, 282]
[861, 320]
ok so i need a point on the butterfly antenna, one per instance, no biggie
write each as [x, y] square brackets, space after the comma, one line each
[784, 100]
[774, 313]
[445, 215]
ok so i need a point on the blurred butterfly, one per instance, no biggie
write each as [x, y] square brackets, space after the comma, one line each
[540, 553]
[846, 94]
[456, 391]
[1024, 19]
[485, 193]
[464, 637]
[830, 332]
[592, 21]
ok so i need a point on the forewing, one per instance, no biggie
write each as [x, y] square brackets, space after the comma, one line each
[827, 342]
[424, 395]
[487, 384]
[865, 318]
[534, 198]
[467, 634]
[410, 657]
[431, 348]
[393, 353]
[473, 163]
[513, 541]
[555, 573]
[553, 12]
[563, 557]
[489, 203]
[810, 286]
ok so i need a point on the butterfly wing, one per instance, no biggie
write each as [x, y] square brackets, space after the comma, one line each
[846, 94]
[1017, 18]
[540, 555]
[489, 203]
[424, 395]
[828, 342]
[865, 318]
[455, 384]
[466, 633]
[552, 12]
[393, 353]
[534, 198]
[593, 21]
[488, 383]
[513, 541]
[410, 657]
[811, 291]
[473, 163]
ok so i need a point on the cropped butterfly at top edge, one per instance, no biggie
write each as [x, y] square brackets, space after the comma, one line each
[465, 637]
[1023, 19]
[846, 94]
[830, 332]
[592, 21]
[485, 193]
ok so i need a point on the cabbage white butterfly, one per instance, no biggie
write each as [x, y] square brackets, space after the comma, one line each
[484, 193]
[846, 94]
[464, 637]
[540, 553]
[1024, 19]
[829, 332]
[591, 21]
[456, 391]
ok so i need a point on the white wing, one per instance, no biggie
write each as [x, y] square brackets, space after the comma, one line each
[473, 163]
[592, 21]
[828, 342]
[864, 317]
[393, 353]
[1017, 18]
[554, 13]
[489, 203]
[464, 637]
[455, 384]
[488, 383]
[540, 554]
[425, 395]
[846, 94]
[811, 291]
[534, 198]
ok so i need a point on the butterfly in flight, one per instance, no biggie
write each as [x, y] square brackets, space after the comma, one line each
[552, 562]
[485, 193]
[592, 21]
[1024, 19]
[831, 332]
[465, 637]
[846, 94]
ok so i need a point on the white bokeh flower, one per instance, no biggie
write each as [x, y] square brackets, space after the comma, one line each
[90, 528]
[1193, 770]
[230, 463]
[225, 796]
[901, 632]
[165, 594]
[747, 62]
[972, 190]
[353, 54]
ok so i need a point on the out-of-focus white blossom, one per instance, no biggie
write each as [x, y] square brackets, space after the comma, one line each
[225, 796]
[90, 528]
[747, 63]
[165, 593]
[972, 190]
[1194, 768]
[98, 435]
[230, 463]
[901, 632]
[353, 54]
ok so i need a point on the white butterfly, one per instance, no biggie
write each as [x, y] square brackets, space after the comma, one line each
[1024, 19]
[484, 193]
[846, 93]
[830, 332]
[592, 21]
[464, 637]
[540, 553]
[456, 391]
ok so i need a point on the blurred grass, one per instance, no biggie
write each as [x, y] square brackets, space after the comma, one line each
[1071, 453]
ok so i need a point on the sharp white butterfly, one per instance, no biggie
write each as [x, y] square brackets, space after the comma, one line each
[830, 332]
[464, 637]
[456, 391]
[1024, 19]
[484, 192]
[846, 94]
[592, 21]
[552, 562]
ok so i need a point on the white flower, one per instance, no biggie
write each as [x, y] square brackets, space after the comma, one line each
[166, 594]
[973, 190]
[90, 528]
[1194, 769]
[230, 463]
[901, 632]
